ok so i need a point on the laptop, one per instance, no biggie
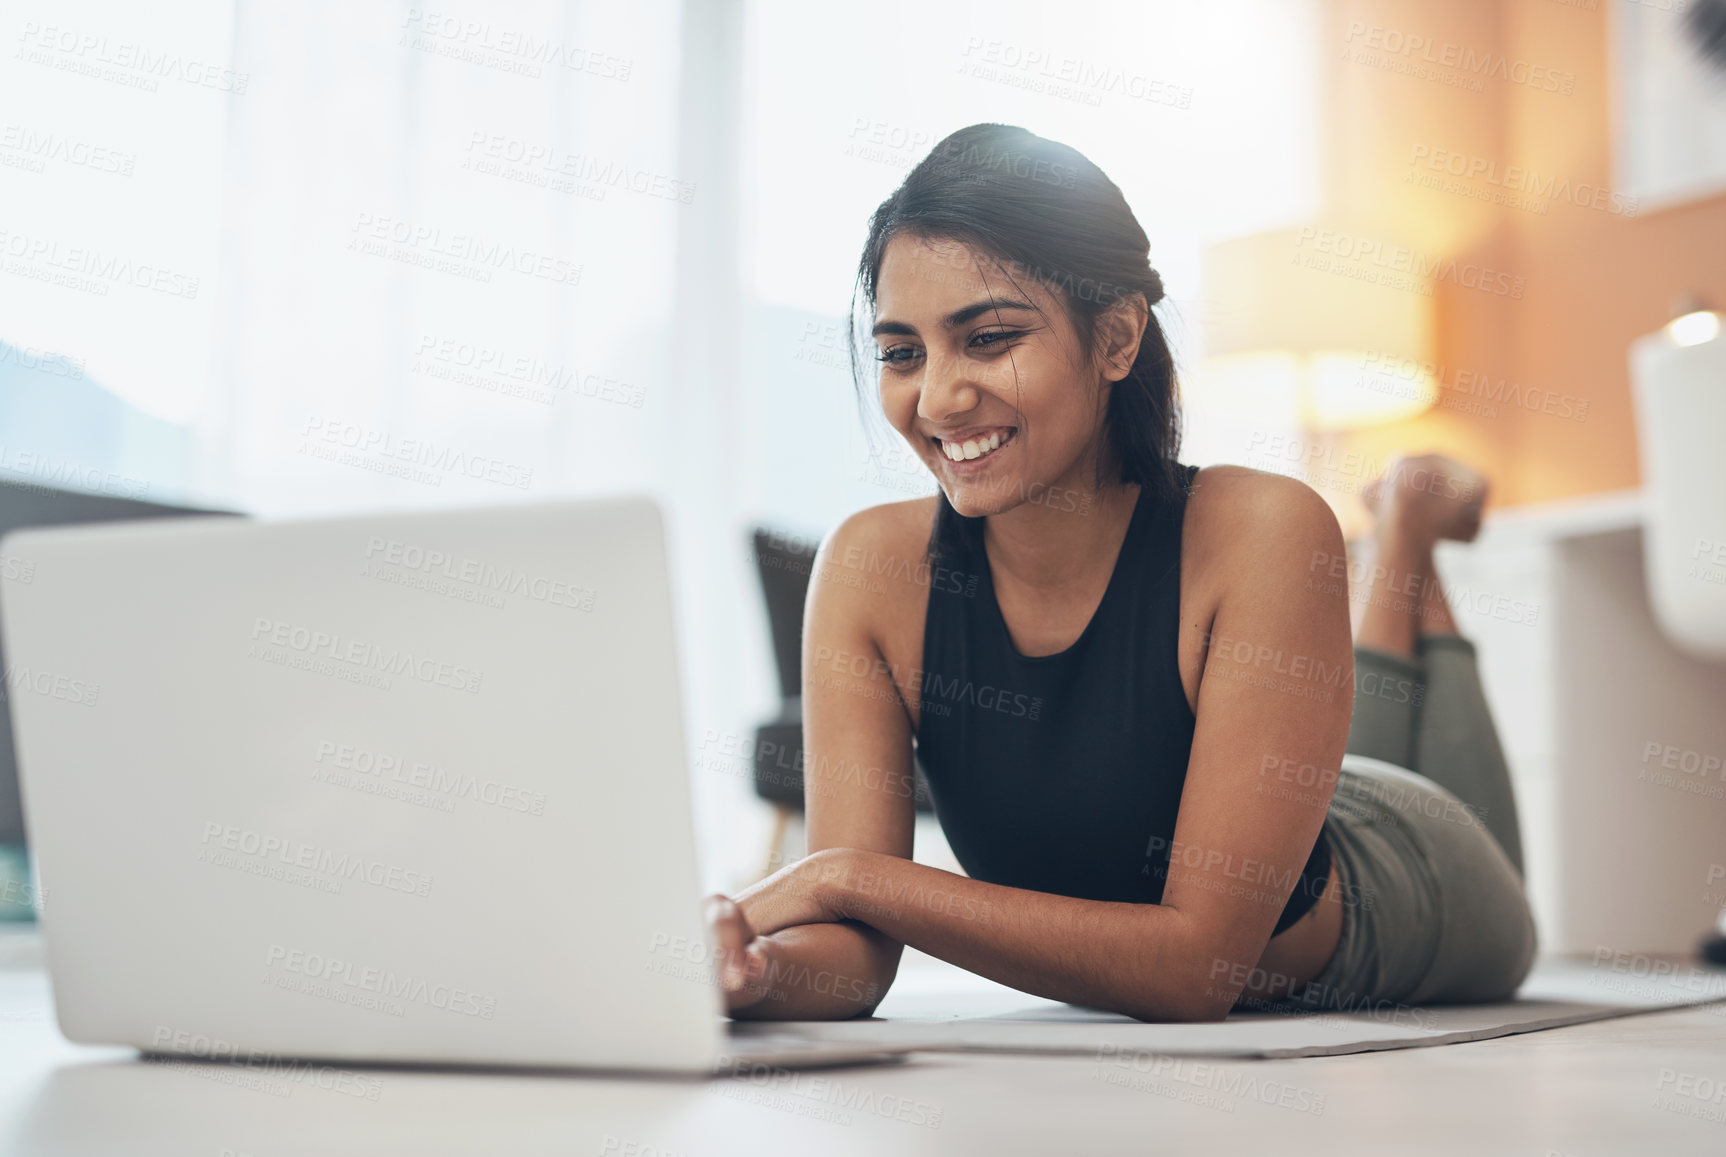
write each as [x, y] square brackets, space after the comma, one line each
[24, 502]
[402, 788]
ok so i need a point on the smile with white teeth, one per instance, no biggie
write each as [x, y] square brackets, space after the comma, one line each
[976, 447]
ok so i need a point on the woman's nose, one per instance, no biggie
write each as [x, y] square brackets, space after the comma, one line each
[947, 390]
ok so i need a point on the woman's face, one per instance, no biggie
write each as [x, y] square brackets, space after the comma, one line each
[967, 364]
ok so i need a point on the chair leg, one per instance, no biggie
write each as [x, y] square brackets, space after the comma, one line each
[782, 814]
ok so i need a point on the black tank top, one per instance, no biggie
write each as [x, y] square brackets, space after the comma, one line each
[1062, 773]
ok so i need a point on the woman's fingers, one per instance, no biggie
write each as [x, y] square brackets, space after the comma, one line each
[753, 988]
[731, 936]
[742, 956]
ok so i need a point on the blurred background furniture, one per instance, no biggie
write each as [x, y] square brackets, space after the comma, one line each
[1679, 377]
[1615, 734]
[785, 562]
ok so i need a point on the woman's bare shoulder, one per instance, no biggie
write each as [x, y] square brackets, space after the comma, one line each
[874, 565]
[882, 536]
[881, 550]
[1236, 511]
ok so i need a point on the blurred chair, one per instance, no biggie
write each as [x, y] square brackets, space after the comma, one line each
[785, 562]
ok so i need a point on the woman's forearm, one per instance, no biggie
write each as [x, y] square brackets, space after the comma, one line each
[823, 972]
[1138, 959]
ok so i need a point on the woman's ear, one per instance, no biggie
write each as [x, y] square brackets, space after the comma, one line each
[1120, 329]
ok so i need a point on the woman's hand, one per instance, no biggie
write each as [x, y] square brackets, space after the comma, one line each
[801, 893]
[742, 929]
[743, 958]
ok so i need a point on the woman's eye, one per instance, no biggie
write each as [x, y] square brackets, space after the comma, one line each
[988, 340]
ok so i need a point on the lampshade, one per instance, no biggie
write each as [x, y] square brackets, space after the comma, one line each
[1320, 327]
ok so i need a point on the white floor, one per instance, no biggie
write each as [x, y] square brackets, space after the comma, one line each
[1653, 1084]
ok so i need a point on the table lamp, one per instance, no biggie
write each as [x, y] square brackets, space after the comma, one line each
[1316, 328]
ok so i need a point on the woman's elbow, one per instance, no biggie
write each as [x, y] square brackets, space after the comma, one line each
[1188, 996]
[1204, 1014]
[864, 997]
[1210, 1013]
[1206, 1005]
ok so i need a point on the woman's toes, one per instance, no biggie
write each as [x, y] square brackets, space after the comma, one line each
[1429, 495]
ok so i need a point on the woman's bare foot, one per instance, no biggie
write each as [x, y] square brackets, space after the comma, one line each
[1429, 495]
[1418, 501]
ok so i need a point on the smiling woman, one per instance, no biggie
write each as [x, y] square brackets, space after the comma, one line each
[1134, 721]
[1059, 269]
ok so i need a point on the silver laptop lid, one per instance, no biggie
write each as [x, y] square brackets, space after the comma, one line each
[399, 787]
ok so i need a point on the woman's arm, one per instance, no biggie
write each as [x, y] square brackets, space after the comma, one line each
[806, 971]
[857, 774]
[1276, 691]
[1131, 958]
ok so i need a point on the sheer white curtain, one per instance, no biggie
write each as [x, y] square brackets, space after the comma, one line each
[111, 121]
[447, 238]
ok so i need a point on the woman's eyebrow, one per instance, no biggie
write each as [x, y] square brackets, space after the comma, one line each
[955, 319]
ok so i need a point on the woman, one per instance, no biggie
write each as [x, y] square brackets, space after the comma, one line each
[1130, 682]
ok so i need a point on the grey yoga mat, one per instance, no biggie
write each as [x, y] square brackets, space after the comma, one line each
[975, 1015]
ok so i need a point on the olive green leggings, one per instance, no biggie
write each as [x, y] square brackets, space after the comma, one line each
[1424, 837]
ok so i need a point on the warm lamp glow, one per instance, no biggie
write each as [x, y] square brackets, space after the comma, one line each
[1349, 391]
[1694, 328]
[1312, 339]
[1331, 390]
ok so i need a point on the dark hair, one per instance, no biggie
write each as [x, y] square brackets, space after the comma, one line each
[1044, 210]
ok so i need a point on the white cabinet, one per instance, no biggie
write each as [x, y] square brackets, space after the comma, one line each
[1616, 739]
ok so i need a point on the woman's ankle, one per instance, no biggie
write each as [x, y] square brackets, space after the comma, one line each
[1443, 640]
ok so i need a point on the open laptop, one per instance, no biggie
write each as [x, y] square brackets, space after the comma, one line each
[25, 502]
[399, 788]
